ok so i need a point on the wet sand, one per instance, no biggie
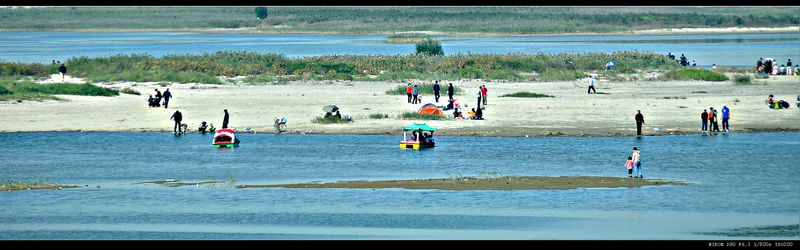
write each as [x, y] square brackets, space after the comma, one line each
[505, 183]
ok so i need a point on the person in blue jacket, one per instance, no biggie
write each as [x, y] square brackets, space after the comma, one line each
[725, 116]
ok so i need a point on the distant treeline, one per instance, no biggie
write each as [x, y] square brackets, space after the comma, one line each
[361, 20]
[266, 67]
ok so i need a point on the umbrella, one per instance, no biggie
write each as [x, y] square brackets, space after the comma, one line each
[611, 63]
[330, 108]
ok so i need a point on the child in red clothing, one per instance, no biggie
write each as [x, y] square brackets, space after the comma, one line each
[629, 165]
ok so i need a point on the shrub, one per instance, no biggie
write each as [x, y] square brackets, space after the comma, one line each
[430, 46]
[742, 79]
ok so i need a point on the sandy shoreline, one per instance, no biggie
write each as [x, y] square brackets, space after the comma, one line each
[674, 107]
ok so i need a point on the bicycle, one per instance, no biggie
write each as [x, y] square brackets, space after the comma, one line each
[280, 125]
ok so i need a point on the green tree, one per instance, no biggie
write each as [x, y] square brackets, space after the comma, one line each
[430, 46]
[261, 12]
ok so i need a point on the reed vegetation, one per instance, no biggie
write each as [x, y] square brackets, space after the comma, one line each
[209, 67]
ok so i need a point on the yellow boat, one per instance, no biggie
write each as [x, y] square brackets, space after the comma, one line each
[419, 139]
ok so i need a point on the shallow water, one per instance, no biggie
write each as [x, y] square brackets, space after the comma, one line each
[738, 180]
[742, 50]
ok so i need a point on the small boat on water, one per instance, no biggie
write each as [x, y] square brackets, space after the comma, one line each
[225, 138]
[420, 138]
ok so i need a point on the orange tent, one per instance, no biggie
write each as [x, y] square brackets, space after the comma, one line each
[430, 109]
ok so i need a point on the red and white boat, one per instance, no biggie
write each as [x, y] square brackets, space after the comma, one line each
[225, 138]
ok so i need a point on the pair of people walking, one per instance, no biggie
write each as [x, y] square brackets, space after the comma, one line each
[634, 164]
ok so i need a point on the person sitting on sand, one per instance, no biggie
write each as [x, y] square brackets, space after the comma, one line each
[202, 127]
[456, 114]
[211, 128]
[472, 114]
[479, 114]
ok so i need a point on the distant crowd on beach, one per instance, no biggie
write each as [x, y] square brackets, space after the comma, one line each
[770, 67]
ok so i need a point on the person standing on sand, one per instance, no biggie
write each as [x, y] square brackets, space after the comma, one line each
[408, 92]
[414, 93]
[167, 95]
[158, 96]
[483, 94]
[704, 118]
[225, 119]
[591, 86]
[177, 117]
[63, 71]
[629, 166]
[479, 97]
[788, 67]
[639, 121]
[725, 116]
[436, 91]
[637, 162]
[760, 66]
[716, 121]
[450, 91]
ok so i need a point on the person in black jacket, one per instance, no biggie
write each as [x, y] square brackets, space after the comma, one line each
[225, 120]
[639, 121]
[436, 91]
[63, 71]
[450, 91]
[704, 118]
[177, 116]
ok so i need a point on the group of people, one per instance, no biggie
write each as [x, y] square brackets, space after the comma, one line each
[415, 96]
[710, 122]
[156, 101]
[771, 103]
[482, 95]
[180, 128]
[683, 61]
[770, 67]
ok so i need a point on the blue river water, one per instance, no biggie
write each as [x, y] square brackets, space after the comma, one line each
[741, 50]
[735, 181]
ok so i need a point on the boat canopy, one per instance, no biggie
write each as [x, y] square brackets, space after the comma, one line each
[422, 127]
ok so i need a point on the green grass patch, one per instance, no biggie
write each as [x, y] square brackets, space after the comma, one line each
[416, 116]
[27, 90]
[329, 120]
[742, 80]
[526, 95]
[378, 116]
[693, 74]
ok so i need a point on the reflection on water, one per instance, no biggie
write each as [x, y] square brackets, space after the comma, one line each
[732, 187]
